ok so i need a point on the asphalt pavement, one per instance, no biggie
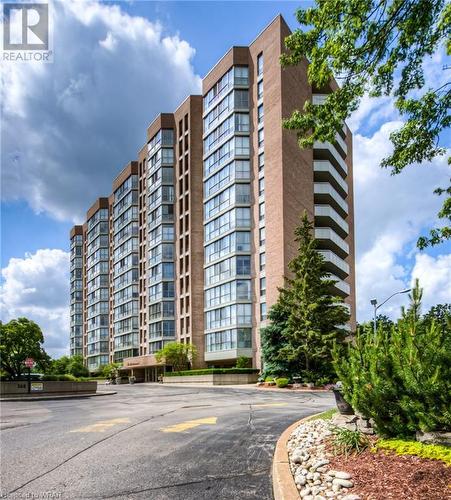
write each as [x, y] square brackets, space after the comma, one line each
[149, 441]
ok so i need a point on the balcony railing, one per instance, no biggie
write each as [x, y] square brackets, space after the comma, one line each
[325, 190]
[339, 266]
[324, 169]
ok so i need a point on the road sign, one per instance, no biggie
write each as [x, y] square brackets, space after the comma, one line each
[29, 362]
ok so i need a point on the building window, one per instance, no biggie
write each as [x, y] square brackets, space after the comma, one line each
[261, 211]
[260, 113]
[261, 186]
[262, 236]
[261, 138]
[262, 261]
[260, 89]
[243, 265]
[263, 311]
[261, 161]
[260, 64]
[262, 287]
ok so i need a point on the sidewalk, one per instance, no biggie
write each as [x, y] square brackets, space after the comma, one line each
[50, 397]
[242, 386]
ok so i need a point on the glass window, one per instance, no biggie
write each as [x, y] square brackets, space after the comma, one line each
[261, 211]
[242, 146]
[262, 287]
[260, 89]
[242, 122]
[261, 186]
[261, 161]
[262, 259]
[241, 99]
[243, 265]
[262, 235]
[263, 311]
[261, 137]
[260, 64]
[241, 75]
[260, 113]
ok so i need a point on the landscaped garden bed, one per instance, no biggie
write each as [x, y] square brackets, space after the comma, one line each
[330, 462]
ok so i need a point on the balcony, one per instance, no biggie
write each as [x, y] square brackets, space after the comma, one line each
[335, 264]
[327, 151]
[328, 239]
[326, 216]
[325, 194]
[324, 171]
[341, 287]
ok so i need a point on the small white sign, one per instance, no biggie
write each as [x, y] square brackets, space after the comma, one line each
[37, 386]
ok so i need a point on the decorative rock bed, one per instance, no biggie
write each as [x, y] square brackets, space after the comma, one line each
[309, 464]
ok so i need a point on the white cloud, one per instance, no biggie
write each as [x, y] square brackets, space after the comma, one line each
[434, 274]
[37, 287]
[70, 126]
[390, 213]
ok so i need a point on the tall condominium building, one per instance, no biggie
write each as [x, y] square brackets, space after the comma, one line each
[197, 235]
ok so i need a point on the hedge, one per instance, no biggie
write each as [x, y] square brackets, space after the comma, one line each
[67, 377]
[211, 371]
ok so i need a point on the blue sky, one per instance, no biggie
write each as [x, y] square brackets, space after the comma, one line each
[69, 127]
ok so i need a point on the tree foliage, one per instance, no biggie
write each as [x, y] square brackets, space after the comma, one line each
[272, 342]
[69, 365]
[400, 377]
[377, 48]
[20, 339]
[307, 320]
[110, 370]
[177, 354]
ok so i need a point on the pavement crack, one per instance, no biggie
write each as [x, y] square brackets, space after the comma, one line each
[92, 445]
[207, 478]
[250, 420]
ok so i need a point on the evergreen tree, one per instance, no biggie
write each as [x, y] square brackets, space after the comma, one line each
[441, 315]
[401, 377]
[272, 342]
[314, 316]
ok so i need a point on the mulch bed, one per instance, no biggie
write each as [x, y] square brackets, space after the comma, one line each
[387, 476]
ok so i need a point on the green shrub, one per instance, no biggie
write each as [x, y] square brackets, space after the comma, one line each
[65, 377]
[270, 378]
[346, 441]
[282, 382]
[401, 447]
[210, 371]
[243, 362]
[400, 377]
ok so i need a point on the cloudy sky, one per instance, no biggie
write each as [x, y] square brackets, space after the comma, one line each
[70, 126]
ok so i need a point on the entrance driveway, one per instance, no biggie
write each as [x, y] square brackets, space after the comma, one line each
[149, 441]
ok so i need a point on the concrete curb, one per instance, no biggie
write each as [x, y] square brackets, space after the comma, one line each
[56, 397]
[284, 487]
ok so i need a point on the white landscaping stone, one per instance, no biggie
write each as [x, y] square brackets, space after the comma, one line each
[351, 497]
[300, 479]
[343, 475]
[343, 482]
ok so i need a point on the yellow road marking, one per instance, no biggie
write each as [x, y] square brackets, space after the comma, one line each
[190, 424]
[263, 405]
[103, 425]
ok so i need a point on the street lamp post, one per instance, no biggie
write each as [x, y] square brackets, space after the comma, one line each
[377, 306]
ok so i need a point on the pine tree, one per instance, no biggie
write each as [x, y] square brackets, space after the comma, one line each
[273, 340]
[315, 316]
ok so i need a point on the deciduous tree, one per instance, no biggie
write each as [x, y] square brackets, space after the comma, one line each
[377, 48]
[177, 354]
[20, 339]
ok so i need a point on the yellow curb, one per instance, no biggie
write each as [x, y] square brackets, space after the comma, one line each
[284, 487]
